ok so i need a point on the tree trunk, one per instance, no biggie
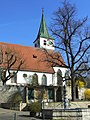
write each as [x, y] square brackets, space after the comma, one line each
[73, 89]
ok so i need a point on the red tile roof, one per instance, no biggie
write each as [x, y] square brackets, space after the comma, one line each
[33, 57]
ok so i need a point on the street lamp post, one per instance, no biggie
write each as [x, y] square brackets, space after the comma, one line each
[65, 98]
[66, 104]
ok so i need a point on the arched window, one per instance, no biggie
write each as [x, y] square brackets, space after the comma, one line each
[44, 80]
[51, 93]
[59, 78]
[35, 79]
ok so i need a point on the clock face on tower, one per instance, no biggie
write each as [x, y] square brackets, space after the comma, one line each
[50, 42]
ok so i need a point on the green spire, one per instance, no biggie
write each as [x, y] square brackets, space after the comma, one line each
[43, 31]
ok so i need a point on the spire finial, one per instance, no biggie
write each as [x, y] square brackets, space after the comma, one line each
[42, 10]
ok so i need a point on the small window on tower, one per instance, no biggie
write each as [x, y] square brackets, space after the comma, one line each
[44, 42]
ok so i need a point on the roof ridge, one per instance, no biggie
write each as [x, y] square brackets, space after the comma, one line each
[5, 43]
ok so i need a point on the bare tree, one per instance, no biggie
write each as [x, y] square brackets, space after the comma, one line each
[72, 41]
[9, 60]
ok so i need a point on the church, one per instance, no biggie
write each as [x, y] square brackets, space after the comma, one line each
[41, 78]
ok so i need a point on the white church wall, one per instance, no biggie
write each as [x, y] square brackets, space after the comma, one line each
[26, 80]
[63, 70]
[51, 78]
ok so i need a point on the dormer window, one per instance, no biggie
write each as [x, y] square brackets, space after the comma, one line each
[44, 42]
[34, 56]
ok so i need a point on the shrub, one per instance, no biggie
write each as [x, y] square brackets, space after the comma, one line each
[80, 83]
[87, 94]
[34, 107]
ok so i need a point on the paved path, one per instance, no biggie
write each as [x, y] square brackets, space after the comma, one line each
[11, 114]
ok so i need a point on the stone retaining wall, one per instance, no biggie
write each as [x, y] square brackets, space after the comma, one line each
[59, 105]
[11, 106]
[67, 114]
[14, 106]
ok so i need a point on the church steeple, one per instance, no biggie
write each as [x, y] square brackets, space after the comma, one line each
[43, 31]
[44, 40]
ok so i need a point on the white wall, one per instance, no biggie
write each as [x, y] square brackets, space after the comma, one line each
[45, 46]
[63, 70]
[22, 80]
[51, 78]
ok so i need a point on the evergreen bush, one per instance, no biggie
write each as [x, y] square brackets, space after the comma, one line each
[34, 108]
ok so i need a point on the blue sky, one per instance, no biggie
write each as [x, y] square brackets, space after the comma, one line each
[20, 19]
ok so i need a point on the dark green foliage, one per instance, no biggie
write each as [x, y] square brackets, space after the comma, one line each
[34, 107]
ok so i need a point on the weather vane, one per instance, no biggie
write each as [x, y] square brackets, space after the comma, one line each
[43, 10]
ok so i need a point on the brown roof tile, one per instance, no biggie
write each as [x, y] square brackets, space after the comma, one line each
[33, 57]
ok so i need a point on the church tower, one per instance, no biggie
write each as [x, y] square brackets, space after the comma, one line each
[44, 40]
